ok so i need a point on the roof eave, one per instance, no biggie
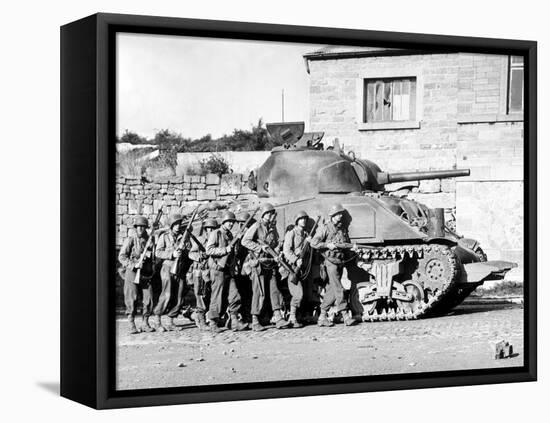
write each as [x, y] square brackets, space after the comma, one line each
[358, 54]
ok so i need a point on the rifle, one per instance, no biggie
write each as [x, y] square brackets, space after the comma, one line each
[148, 244]
[305, 248]
[199, 244]
[243, 228]
[270, 252]
[185, 236]
[346, 246]
[223, 260]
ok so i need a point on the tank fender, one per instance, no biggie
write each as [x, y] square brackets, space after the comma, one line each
[441, 240]
[486, 270]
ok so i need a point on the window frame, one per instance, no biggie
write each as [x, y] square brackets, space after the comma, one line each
[511, 67]
[389, 74]
[386, 82]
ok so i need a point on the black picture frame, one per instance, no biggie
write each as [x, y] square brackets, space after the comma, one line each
[87, 223]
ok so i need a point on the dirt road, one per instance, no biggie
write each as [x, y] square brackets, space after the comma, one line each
[462, 340]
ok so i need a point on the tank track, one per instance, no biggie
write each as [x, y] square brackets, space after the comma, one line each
[436, 273]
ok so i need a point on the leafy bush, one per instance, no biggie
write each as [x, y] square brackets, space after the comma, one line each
[216, 163]
[132, 138]
[170, 143]
[254, 139]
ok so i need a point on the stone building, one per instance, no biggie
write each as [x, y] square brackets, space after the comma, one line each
[410, 110]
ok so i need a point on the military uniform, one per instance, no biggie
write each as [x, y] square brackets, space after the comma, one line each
[334, 261]
[129, 256]
[293, 246]
[262, 269]
[222, 269]
[199, 277]
[173, 287]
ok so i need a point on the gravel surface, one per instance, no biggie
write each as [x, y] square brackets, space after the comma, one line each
[464, 339]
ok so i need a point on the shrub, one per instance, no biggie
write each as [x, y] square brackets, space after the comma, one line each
[216, 163]
[132, 138]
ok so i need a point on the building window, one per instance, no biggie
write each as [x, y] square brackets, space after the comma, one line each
[389, 100]
[515, 84]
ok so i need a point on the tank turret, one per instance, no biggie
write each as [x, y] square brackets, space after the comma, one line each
[301, 168]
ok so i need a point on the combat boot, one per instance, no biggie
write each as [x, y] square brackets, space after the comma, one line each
[214, 328]
[157, 325]
[349, 320]
[145, 326]
[132, 329]
[200, 321]
[256, 325]
[323, 320]
[237, 325]
[280, 322]
[294, 323]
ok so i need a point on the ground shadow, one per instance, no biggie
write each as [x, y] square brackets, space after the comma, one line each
[51, 387]
[481, 308]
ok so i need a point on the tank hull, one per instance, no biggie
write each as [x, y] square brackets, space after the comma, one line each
[397, 271]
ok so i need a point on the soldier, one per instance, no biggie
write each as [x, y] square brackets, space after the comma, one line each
[330, 238]
[243, 281]
[222, 268]
[173, 286]
[129, 257]
[293, 247]
[200, 273]
[262, 268]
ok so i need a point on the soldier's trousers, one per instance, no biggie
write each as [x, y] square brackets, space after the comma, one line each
[173, 291]
[262, 280]
[202, 298]
[334, 291]
[132, 292]
[223, 282]
[297, 293]
[301, 292]
[244, 286]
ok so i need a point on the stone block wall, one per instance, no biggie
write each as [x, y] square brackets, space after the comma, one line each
[175, 194]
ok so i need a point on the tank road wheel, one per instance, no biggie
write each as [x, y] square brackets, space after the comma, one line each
[411, 308]
[365, 291]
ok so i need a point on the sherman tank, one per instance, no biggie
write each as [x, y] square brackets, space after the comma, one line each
[406, 263]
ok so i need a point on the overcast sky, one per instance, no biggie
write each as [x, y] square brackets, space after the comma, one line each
[198, 86]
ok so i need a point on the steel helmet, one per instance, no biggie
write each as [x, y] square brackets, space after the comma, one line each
[210, 223]
[175, 218]
[300, 215]
[141, 221]
[267, 208]
[228, 216]
[243, 217]
[336, 209]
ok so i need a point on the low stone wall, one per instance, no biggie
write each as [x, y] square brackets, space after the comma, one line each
[138, 196]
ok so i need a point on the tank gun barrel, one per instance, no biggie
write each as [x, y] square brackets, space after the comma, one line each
[388, 178]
